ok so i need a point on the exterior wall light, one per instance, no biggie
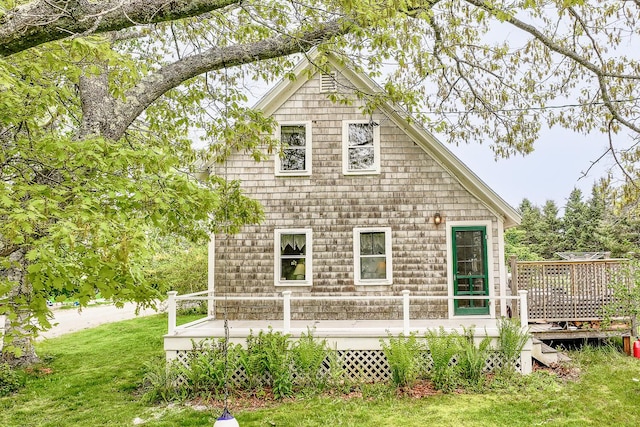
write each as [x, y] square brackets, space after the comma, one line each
[437, 219]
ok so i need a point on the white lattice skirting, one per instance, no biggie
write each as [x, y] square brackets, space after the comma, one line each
[365, 366]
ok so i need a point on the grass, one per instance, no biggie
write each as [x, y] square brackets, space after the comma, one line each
[95, 375]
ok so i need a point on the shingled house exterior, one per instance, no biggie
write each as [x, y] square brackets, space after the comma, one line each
[358, 208]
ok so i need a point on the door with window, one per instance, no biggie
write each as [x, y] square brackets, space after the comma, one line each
[470, 269]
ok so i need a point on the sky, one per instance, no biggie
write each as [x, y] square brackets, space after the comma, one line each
[551, 172]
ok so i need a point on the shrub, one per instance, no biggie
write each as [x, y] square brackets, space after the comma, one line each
[160, 382]
[403, 355]
[511, 340]
[209, 367]
[308, 355]
[268, 357]
[180, 266]
[10, 380]
[472, 358]
[443, 348]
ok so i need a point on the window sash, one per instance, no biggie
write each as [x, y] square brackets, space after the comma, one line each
[295, 158]
[361, 147]
[293, 257]
[372, 256]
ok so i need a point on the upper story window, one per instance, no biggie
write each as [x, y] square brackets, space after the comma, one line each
[293, 257]
[296, 154]
[360, 147]
[372, 256]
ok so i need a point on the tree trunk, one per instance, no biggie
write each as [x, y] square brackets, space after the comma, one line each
[18, 348]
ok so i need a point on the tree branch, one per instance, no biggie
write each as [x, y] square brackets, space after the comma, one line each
[43, 21]
[155, 85]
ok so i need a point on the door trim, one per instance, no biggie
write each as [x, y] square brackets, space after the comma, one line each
[491, 266]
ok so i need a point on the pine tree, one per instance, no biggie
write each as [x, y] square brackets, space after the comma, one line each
[551, 230]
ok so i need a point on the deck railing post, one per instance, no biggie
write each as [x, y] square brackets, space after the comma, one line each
[405, 311]
[524, 309]
[513, 261]
[171, 311]
[286, 295]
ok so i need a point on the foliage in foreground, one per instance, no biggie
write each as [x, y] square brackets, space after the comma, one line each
[625, 295]
[84, 385]
[10, 380]
[273, 362]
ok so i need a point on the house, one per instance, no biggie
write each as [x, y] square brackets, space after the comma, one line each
[362, 213]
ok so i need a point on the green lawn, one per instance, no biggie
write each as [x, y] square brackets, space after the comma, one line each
[96, 373]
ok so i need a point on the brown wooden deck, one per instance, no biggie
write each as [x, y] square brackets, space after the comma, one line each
[555, 332]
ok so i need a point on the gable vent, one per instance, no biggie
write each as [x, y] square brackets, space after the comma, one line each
[328, 82]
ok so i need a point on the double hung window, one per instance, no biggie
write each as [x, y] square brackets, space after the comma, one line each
[295, 159]
[372, 255]
[293, 257]
[360, 147]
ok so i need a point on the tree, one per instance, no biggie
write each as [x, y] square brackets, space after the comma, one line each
[574, 220]
[531, 225]
[551, 230]
[100, 99]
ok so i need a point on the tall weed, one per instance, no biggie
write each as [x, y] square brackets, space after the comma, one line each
[209, 366]
[10, 380]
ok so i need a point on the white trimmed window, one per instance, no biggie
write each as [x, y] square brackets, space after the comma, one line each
[360, 147]
[293, 257]
[296, 152]
[372, 256]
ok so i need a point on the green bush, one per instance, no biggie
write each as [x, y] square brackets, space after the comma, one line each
[404, 355]
[443, 348]
[209, 367]
[472, 358]
[10, 380]
[511, 340]
[160, 382]
[308, 354]
[268, 358]
[180, 266]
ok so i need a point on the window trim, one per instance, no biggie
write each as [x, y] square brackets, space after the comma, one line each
[308, 150]
[388, 256]
[308, 257]
[375, 169]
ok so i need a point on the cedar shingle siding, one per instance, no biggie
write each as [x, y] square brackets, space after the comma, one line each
[404, 196]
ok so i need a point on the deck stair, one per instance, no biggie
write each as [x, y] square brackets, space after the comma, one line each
[546, 354]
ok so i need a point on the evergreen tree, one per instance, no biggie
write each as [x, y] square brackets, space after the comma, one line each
[575, 218]
[531, 220]
[551, 230]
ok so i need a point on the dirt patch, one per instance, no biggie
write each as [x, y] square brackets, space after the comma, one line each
[563, 371]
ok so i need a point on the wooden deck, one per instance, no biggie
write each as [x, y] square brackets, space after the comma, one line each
[338, 332]
[559, 332]
[360, 337]
[566, 291]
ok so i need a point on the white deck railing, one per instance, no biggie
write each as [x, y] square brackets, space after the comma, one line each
[287, 298]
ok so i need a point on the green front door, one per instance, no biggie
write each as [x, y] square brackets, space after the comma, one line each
[470, 275]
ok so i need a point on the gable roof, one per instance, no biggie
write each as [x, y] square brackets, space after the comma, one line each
[305, 70]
